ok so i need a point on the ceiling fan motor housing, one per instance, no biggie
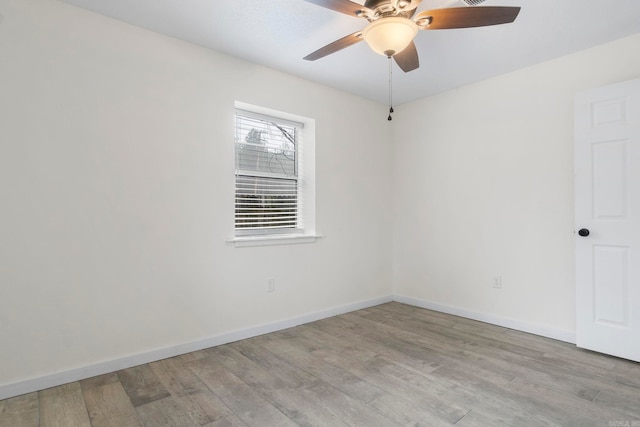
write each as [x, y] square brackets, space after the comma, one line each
[458, 3]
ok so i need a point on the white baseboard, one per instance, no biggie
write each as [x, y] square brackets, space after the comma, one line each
[59, 378]
[532, 328]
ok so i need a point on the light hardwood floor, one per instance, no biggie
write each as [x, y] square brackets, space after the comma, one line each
[390, 365]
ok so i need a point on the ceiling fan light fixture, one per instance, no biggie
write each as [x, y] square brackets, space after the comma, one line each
[391, 35]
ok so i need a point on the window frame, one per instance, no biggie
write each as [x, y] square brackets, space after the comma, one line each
[304, 231]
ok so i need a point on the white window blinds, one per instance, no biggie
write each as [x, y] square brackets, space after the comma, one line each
[267, 181]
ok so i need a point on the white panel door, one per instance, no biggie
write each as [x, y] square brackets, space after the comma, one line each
[607, 159]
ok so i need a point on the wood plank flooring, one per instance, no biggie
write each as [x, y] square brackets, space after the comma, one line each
[390, 365]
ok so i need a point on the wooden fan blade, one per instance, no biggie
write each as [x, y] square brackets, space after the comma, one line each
[467, 17]
[343, 6]
[335, 46]
[407, 60]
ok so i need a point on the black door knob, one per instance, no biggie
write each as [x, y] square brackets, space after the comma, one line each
[583, 232]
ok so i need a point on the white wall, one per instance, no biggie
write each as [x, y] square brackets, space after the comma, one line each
[116, 181]
[483, 184]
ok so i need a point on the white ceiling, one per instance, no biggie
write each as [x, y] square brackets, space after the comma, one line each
[279, 33]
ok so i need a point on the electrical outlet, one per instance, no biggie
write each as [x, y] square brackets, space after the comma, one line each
[497, 282]
[271, 285]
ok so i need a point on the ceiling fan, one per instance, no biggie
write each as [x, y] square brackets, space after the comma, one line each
[393, 24]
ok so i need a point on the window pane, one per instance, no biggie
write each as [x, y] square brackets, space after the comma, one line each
[266, 203]
[264, 146]
[266, 175]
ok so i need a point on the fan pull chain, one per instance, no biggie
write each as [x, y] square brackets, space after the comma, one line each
[390, 90]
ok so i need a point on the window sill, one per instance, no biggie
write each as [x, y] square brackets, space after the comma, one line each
[275, 239]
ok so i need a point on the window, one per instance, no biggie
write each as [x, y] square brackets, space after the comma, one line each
[274, 186]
